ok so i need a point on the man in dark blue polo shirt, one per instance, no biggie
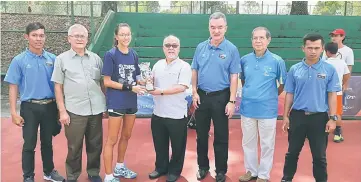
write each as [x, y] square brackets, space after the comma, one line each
[310, 108]
[215, 68]
[30, 73]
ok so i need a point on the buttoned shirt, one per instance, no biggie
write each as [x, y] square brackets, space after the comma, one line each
[260, 91]
[215, 65]
[310, 85]
[32, 74]
[178, 72]
[80, 76]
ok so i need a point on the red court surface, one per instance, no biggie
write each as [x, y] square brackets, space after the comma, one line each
[343, 159]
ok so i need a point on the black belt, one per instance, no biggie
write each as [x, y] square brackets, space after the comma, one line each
[213, 93]
[41, 101]
[306, 112]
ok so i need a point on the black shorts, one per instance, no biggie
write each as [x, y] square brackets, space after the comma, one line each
[121, 112]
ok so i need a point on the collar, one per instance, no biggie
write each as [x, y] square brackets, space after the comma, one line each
[314, 66]
[266, 53]
[28, 52]
[221, 46]
[173, 62]
[73, 53]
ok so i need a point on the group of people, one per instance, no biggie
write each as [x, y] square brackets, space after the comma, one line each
[76, 87]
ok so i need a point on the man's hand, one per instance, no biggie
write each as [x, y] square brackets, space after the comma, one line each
[64, 118]
[155, 92]
[229, 109]
[17, 120]
[286, 124]
[330, 126]
[139, 89]
[196, 100]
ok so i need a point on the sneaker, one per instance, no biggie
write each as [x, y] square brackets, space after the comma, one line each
[247, 177]
[338, 138]
[29, 179]
[94, 178]
[124, 172]
[112, 180]
[261, 180]
[54, 176]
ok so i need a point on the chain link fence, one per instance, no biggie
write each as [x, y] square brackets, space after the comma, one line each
[99, 8]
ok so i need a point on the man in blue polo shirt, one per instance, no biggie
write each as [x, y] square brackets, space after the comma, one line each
[215, 68]
[311, 88]
[30, 73]
[261, 70]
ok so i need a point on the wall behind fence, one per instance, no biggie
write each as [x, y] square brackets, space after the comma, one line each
[287, 31]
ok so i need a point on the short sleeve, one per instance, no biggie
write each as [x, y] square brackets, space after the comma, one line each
[290, 81]
[185, 75]
[195, 64]
[108, 64]
[350, 58]
[241, 75]
[235, 66]
[333, 84]
[137, 69]
[14, 75]
[58, 73]
[282, 72]
[100, 63]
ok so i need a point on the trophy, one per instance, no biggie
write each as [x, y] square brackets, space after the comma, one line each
[147, 75]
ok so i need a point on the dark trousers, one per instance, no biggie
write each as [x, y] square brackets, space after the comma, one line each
[313, 127]
[91, 127]
[164, 129]
[212, 107]
[46, 116]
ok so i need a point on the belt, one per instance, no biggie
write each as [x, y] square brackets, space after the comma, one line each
[213, 93]
[306, 112]
[41, 101]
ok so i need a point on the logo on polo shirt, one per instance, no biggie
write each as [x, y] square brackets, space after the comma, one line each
[49, 63]
[222, 56]
[321, 75]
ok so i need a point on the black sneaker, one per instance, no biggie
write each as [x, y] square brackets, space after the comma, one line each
[29, 179]
[54, 176]
[94, 178]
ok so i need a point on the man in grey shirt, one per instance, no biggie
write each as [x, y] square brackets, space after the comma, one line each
[172, 76]
[81, 103]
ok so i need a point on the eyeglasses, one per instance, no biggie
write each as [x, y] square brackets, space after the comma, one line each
[171, 45]
[78, 36]
[125, 35]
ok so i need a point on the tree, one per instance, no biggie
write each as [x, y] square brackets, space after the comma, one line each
[108, 5]
[299, 8]
[251, 7]
[329, 8]
[286, 10]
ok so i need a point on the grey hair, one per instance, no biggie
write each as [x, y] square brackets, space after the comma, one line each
[171, 36]
[218, 15]
[77, 26]
[268, 33]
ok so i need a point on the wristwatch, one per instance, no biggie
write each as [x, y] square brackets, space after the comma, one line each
[232, 101]
[334, 117]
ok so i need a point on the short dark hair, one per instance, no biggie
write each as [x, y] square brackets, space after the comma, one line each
[34, 26]
[313, 37]
[331, 47]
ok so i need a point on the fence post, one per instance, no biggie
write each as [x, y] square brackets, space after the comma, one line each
[72, 12]
[344, 14]
[92, 22]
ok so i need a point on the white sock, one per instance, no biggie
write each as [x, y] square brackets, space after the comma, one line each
[109, 177]
[120, 165]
